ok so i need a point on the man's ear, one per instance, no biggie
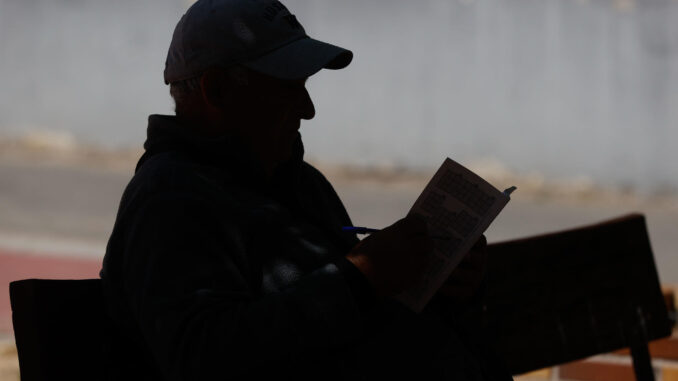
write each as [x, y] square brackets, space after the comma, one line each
[213, 88]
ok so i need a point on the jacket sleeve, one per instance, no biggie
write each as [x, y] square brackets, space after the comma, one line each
[188, 283]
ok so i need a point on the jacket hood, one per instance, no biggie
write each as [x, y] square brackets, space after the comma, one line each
[166, 133]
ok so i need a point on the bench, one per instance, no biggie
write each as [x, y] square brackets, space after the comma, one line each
[551, 299]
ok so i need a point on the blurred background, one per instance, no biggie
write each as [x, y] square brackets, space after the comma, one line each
[573, 101]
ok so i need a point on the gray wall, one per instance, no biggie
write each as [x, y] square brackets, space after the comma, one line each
[559, 87]
[90, 67]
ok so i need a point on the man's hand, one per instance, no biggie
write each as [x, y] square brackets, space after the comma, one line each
[464, 281]
[394, 258]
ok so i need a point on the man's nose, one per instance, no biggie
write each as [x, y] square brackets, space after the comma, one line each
[305, 105]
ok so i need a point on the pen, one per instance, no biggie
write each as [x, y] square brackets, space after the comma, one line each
[364, 230]
[358, 229]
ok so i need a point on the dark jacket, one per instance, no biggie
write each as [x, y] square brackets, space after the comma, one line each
[214, 272]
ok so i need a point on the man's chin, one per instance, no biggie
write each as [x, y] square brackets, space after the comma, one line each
[291, 147]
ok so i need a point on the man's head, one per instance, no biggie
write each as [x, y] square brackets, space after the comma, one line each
[262, 112]
[239, 66]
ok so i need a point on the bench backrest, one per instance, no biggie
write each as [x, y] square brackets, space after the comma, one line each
[60, 329]
[565, 296]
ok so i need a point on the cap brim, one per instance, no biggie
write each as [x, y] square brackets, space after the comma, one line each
[300, 59]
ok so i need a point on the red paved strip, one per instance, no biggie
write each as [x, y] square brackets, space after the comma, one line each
[596, 371]
[15, 265]
[666, 348]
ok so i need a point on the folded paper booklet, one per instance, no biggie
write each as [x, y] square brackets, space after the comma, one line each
[458, 206]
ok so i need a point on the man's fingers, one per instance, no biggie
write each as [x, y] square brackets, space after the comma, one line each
[474, 258]
[481, 242]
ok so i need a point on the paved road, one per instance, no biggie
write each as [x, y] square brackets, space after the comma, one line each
[68, 212]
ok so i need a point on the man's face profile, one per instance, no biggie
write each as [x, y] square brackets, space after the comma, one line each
[280, 105]
[265, 112]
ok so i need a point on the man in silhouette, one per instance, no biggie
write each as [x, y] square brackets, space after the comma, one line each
[228, 259]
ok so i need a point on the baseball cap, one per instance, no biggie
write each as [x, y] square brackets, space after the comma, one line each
[259, 34]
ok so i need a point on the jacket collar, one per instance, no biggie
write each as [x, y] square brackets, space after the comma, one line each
[166, 133]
